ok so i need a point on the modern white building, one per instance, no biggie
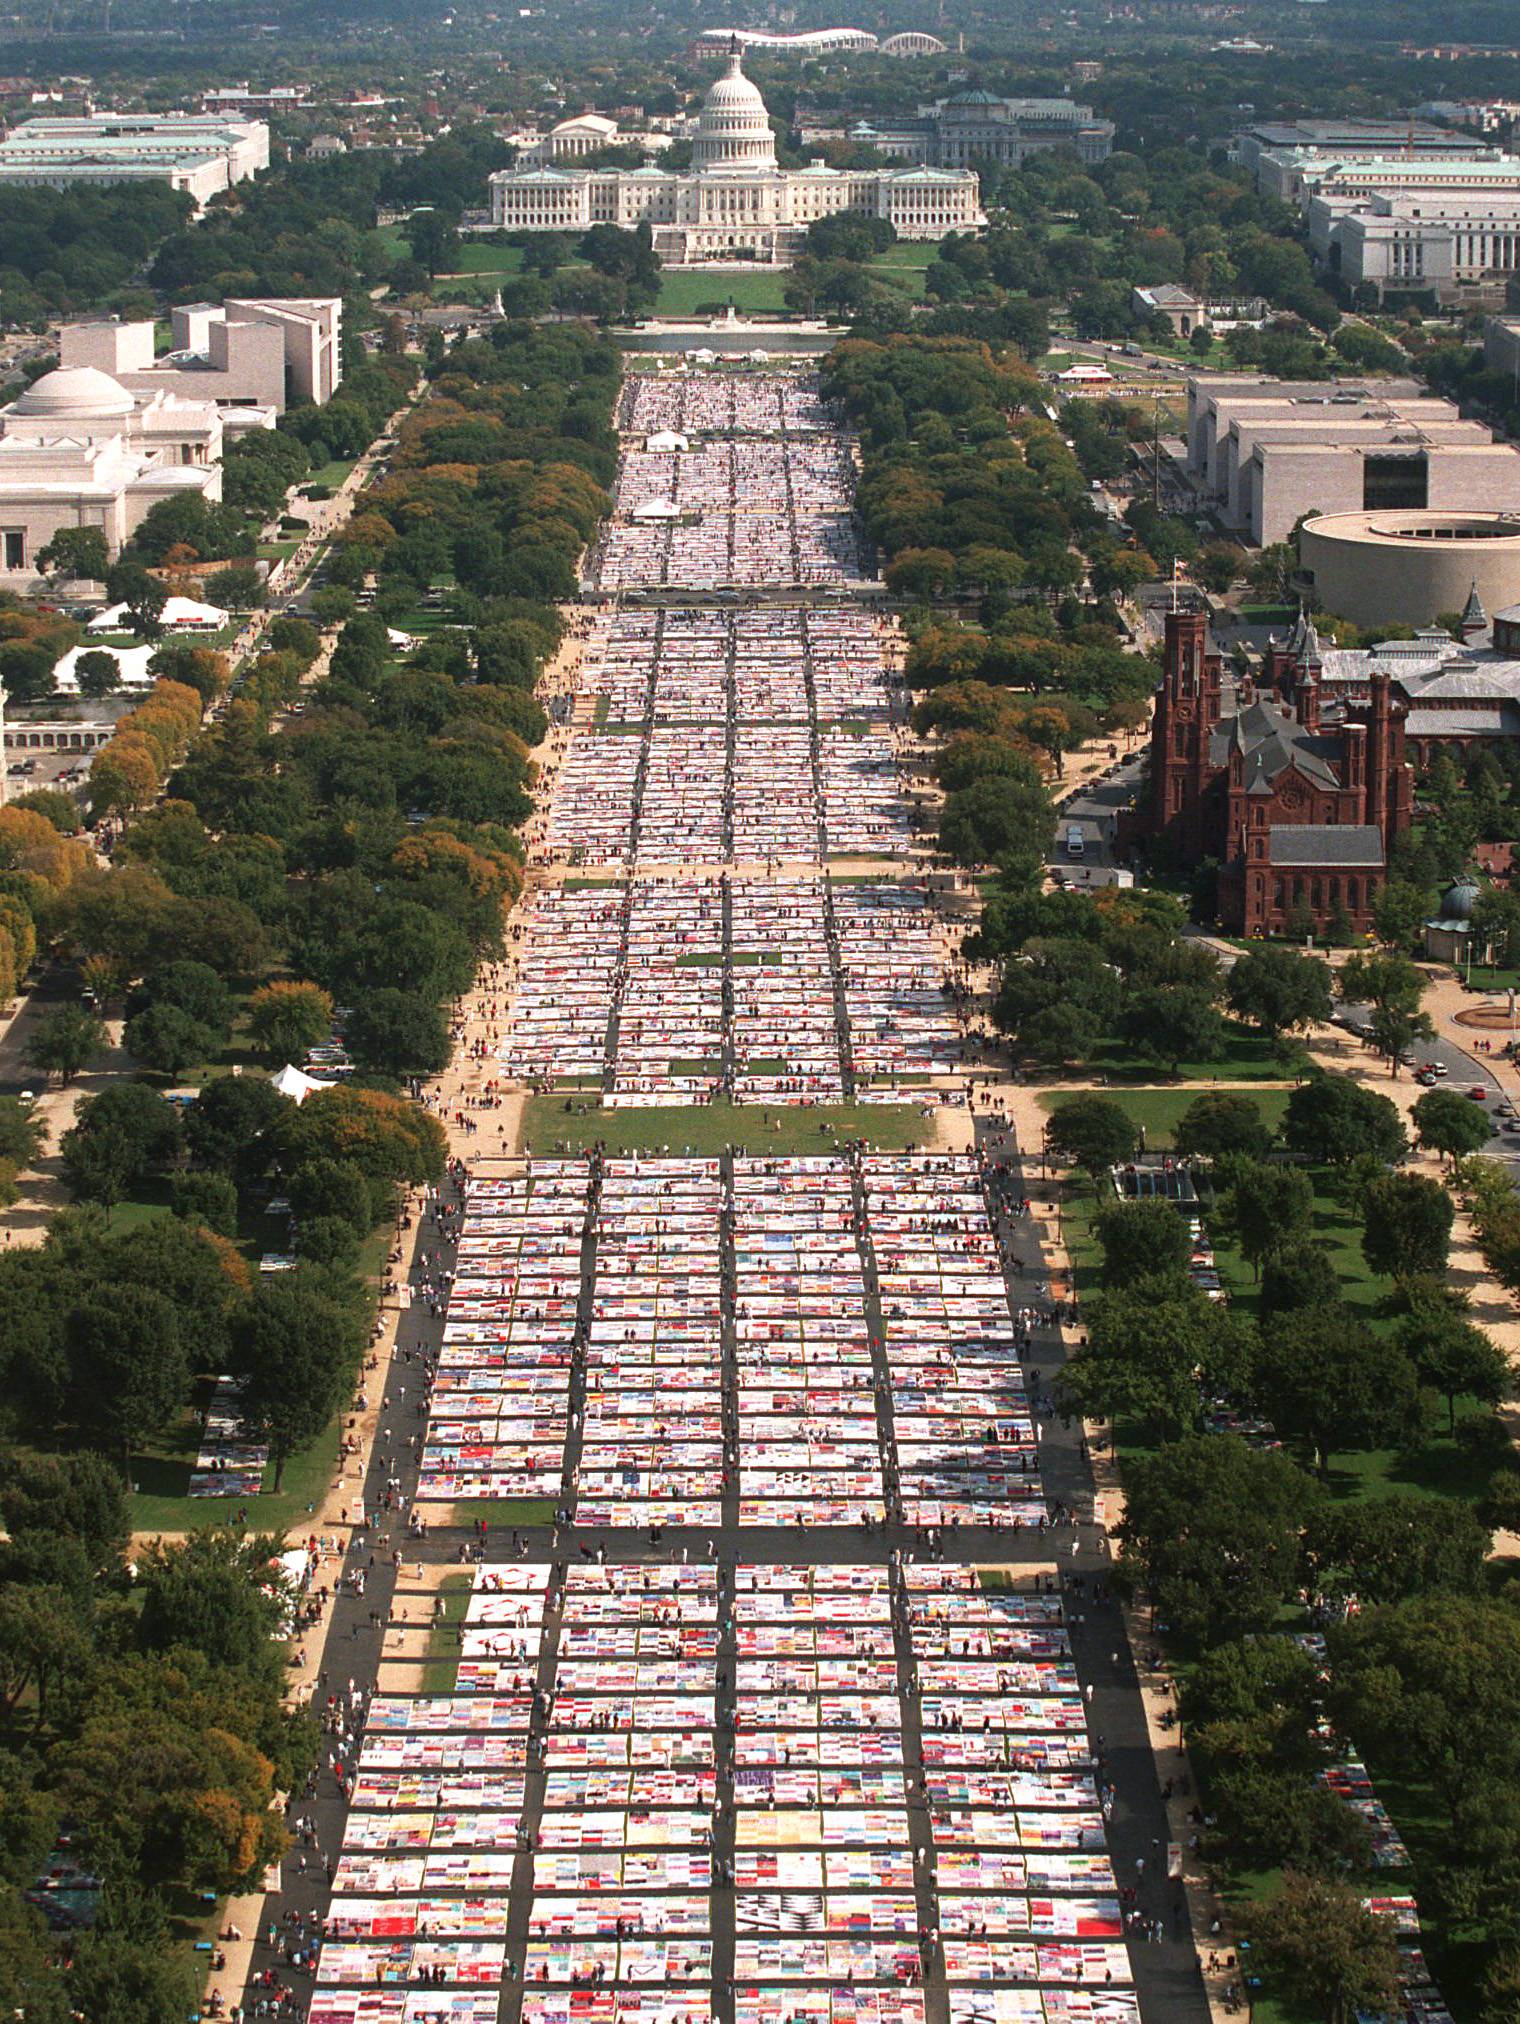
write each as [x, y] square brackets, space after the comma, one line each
[735, 202]
[1266, 452]
[198, 152]
[274, 352]
[78, 450]
[1281, 154]
[1421, 242]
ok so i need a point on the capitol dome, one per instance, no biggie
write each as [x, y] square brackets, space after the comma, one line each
[80, 391]
[734, 133]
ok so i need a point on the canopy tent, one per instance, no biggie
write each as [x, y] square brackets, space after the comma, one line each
[295, 1083]
[131, 667]
[182, 613]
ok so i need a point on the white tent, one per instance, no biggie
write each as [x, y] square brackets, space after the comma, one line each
[179, 613]
[666, 439]
[294, 1082]
[131, 667]
[656, 509]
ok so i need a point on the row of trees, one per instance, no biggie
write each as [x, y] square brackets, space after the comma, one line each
[1225, 1534]
[147, 1718]
[142, 1705]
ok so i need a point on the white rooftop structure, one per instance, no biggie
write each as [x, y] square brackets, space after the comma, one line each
[78, 449]
[201, 153]
[806, 42]
[270, 352]
[131, 667]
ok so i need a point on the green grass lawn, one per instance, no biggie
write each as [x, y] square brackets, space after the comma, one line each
[760, 293]
[503, 1511]
[1482, 978]
[710, 1128]
[472, 291]
[1157, 1110]
[478, 256]
[332, 474]
[440, 1668]
[1245, 1057]
[161, 1475]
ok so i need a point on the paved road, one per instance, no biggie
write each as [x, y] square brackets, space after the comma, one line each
[1167, 1974]
[1464, 1071]
[1094, 809]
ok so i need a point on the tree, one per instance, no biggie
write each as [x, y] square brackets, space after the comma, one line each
[1213, 1528]
[129, 1365]
[230, 1123]
[388, 1138]
[42, 1643]
[1140, 1239]
[1326, 1954]
[1006, 819]
[120, 1981]
[1264, 1206]
[191, 987]
[1435, 1682]
[1333, 1120]
[1214, 1126]
[1401, 911]
[208, 1199]
[1155, 1351]
[1450, 1124]
[1295, 1276]
[1093, 1132]
[1406, 1231]
[1393, 1030]
[1324, 1379]
[75, 553]
[1172, 1023]
[128, 582]
[167, 1039]
[118, 1138]
[1382, 1549]
[211, 1593]
[398, 1034]
[1393, 987]
[75, 1497]
[98, 673]
[285, 1019]
[298, 1352]
[1278, 989]
[237, 588]
[921, 572]
[63, 1041]
[1453, 1356]
[332, 1188]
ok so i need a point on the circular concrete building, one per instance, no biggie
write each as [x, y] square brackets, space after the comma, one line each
[1404, 568]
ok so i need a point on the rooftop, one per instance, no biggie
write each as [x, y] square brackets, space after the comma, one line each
[1351, 847]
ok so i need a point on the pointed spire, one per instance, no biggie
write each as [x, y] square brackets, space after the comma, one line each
[1474, 617]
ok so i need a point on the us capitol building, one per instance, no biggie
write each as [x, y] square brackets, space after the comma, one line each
[735, 202]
